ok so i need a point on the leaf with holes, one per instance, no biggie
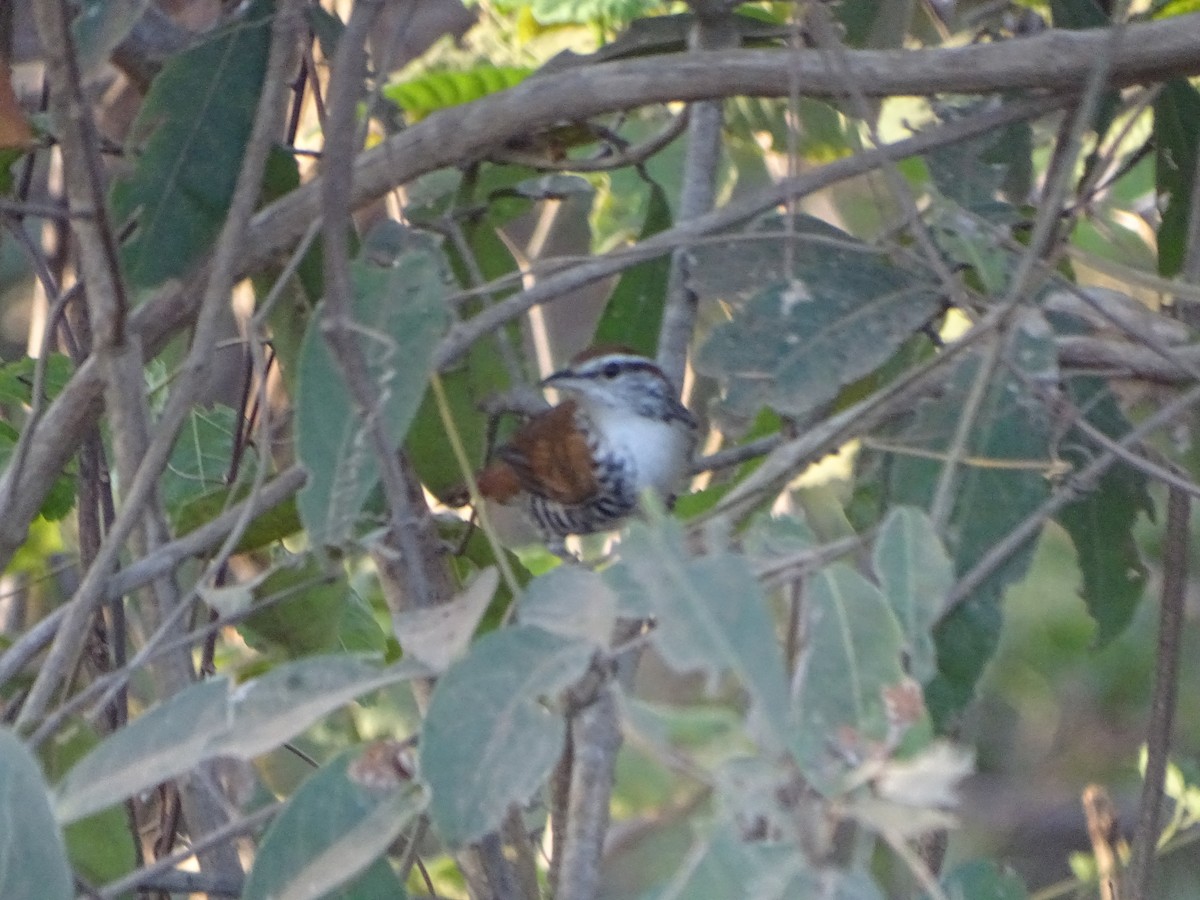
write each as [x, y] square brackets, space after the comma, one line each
[814, 310]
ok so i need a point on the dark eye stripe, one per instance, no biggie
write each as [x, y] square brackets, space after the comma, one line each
[614, 367]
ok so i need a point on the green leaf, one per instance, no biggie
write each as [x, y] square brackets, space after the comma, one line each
[330, 839]
[400, 313]
[214, 718]
[699, 628]
[837, 313]
[1176, 111]
[8, 158]
[272, 525]
[1101, 522]
[201, 457]
[188, 141]
[585, 12]
[967, 238]
[983, 880]
[1000, 481]
[875, 23]
[16, 378]
[16, 387]
[61, 498]
[327, 27]
[33, 860]
[571, 601]
[1078, 14]
[320, 614]
[100, 847]
[851, 658]
[973, 172]
[1173, 8]
[490, 739]
[633, 315]
[428, 93]
[916, 575]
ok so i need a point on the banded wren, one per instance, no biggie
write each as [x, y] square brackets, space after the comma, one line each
[580, 467]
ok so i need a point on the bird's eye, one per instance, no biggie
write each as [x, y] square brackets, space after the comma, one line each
[612, 370]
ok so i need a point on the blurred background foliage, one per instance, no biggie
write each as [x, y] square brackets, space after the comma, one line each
[1061, 702]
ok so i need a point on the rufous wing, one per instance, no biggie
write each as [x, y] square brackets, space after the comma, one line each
[549, 456]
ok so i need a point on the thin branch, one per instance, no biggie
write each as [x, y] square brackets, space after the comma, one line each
[1166, 685]
[735, 456]
[1103, 833]
[342, 140]
[595, 740]
[241, 826]
[160, 562]
[713, 30]
[1121, 359]
[553, 284]
[268, 121]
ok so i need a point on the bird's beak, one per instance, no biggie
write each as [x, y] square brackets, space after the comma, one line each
[556, 378]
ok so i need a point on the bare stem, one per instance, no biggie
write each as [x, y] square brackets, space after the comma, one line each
[1166, 685]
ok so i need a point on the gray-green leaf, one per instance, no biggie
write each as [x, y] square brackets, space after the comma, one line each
[215, 718]
[711, 616]
[491, 737]
[334, 830]
[33, 859]
[400, 313]
[820, 310]
[851, 656]
[915, 574]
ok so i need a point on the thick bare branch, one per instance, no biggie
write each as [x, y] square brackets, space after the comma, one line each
[1057, 60]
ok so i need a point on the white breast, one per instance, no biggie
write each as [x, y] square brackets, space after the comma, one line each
[660, 451]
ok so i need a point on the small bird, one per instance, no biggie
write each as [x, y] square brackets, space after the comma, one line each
[581, 466]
